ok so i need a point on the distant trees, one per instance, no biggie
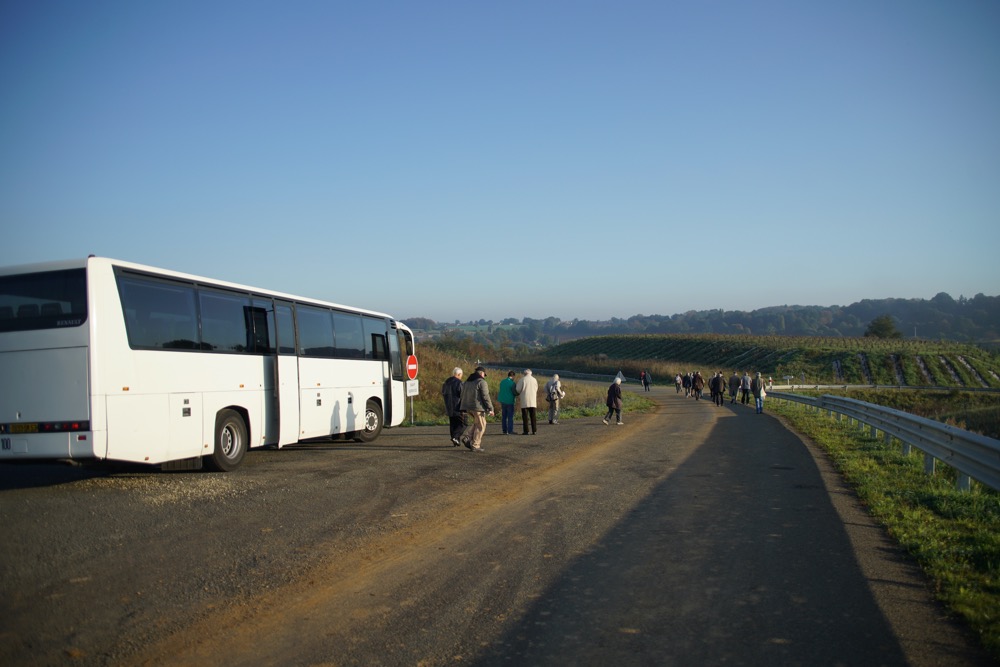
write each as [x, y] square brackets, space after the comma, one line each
[883, 326]
[942, 317]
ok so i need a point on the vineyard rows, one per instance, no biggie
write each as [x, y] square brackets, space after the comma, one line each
[819, 360]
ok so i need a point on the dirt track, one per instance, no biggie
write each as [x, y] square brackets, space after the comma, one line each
[695, 535]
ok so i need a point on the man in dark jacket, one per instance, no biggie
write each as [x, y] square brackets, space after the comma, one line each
[697, 385]
[452, 392]
[734, 386]
[476, 404]
[614, 401]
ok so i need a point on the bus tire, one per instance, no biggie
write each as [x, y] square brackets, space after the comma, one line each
[230, 442]
[373, 422]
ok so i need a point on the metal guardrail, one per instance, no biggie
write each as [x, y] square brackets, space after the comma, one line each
[972, 455]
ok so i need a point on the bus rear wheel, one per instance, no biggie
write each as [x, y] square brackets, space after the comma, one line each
[230, 442]
[373, 422]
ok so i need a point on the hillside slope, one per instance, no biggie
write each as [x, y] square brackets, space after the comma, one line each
[812, 360]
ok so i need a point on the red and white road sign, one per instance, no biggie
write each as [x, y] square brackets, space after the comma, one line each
[411, 367]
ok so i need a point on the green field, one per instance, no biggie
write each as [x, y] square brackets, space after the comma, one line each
[807, 360]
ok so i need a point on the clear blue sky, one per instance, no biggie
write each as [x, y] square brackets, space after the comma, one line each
[467, 160]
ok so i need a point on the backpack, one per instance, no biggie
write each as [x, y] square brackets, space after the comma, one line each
[554, 393]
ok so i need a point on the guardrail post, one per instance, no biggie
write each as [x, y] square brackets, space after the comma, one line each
[963, 483]
[929, 464]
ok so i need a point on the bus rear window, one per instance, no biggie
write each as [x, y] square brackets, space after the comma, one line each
[48, 300]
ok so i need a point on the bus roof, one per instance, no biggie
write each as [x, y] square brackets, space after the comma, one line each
[92, 260]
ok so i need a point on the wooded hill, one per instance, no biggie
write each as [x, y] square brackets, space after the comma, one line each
[975, 320]
[807, 359]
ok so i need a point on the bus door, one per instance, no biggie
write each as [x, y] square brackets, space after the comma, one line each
[287, 380]
[400, 346]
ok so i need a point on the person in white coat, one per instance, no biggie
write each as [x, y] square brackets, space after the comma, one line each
[527, 391]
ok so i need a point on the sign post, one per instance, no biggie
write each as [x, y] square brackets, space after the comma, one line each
[412, 385]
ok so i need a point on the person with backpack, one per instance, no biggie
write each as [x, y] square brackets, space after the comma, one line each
[553, 394]
[476, 404]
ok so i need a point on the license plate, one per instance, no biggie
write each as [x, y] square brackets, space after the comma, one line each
[24, 428]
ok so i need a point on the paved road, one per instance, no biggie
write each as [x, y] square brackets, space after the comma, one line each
[694, 535]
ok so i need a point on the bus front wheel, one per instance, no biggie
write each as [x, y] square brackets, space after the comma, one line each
[230, 442]
[373, 422]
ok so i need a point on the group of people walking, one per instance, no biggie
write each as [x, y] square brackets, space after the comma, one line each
[743, 387]
[468, 403]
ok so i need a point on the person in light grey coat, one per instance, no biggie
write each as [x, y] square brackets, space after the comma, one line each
[553, 394]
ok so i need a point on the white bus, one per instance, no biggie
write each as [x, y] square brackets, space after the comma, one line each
[104, 359]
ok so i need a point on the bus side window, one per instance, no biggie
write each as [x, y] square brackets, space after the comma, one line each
[257, 330]
[223, 321]
[379, 349]
[374, 329]
[394, 360]
[159, 314]
[285, 328]
[350, 335]
[315, 332]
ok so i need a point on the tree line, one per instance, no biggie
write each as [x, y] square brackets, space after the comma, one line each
[975, 320]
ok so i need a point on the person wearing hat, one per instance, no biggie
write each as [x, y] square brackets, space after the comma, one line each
[476, 404]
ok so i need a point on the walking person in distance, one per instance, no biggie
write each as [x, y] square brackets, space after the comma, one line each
[527, 390]
[757, 389]
[614, 402]
[697, 385]
[553, 394]
[451, 390]
[506, 395]
[734, 387]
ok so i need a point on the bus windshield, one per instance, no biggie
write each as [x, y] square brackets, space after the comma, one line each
[48, 300]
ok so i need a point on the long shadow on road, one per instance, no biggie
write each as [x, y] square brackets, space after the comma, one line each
[737, 557]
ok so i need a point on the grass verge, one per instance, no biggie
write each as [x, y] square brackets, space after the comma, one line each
[953, 535]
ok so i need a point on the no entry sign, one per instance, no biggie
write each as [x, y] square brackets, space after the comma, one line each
[411, 367]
